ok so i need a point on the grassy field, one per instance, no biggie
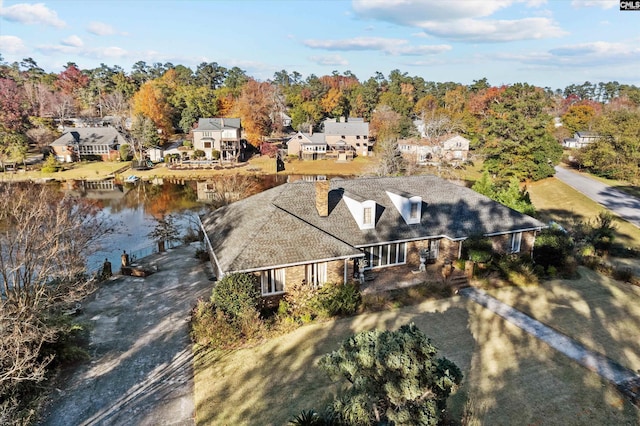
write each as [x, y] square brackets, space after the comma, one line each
[257, 165]
[555, 200]
[510, 377]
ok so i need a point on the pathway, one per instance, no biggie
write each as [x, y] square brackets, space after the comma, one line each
[624, 379]
[141, 360]
[619, 202]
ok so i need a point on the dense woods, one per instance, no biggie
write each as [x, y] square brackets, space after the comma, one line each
[511, 127]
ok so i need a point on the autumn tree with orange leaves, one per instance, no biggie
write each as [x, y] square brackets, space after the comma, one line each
[255, 107]
[151, 102]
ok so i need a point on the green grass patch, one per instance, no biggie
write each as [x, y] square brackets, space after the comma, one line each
[555, 200]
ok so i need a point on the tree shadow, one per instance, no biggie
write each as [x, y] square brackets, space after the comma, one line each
[141, 365]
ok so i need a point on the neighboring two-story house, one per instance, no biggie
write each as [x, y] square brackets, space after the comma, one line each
[580, 140]
[81, 143]
[218, 134]
[325, 231]
[307, 146]
[423, 151]
[352, 132]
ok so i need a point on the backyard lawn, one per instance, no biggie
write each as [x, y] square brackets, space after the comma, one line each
[510, 377]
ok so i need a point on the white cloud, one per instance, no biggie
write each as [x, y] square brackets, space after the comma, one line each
[73, 41]
[31, 14]
[460, 20]
[331, 60]
[594, 54]
[495, 30]
[389, 46]
[11, 44]
[603, 4]
[100, 28]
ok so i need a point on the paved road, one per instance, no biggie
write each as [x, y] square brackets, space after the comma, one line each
[623, 204]
[141, 370]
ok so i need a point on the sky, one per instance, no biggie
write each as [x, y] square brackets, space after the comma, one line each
[548, 43]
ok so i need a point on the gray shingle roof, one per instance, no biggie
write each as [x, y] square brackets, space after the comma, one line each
[218, 123]
[281, 226]
[90, 136]
[353, 127]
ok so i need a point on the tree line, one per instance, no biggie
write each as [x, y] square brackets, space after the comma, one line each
[511, 125]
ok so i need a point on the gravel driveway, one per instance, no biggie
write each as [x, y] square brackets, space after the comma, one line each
[141, 360]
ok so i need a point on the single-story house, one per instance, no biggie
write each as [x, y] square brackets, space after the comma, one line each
[580, 140]
[80, 143]
[218, 134]
[332, 230]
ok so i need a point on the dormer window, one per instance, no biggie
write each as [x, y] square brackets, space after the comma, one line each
[367, 216]
[409, 206]
[414, 210]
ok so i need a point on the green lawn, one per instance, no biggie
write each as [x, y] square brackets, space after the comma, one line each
[555, 200]
[510, 377]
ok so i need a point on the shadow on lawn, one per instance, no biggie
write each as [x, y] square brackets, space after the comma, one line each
[599, 313]
[510, 377]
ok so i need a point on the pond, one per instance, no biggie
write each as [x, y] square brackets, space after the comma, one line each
[133, 210]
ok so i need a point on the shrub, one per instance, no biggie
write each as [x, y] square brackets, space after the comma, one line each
[198, 153]
[552, 247]
[212, 327]
[297, 303]
[477, 248]
[215, 154]
[50, 164]
[337, 299]
[623, 274]
[236, 293]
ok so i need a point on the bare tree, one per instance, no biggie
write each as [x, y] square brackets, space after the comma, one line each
[437, 125]
[228, 189]
[391, 163]
[44, 240]
[62, 106]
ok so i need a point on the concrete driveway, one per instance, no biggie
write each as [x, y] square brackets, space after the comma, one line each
[141, 360]
[621, 203]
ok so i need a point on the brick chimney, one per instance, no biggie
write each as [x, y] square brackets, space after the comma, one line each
[322, 197]
[310, 129]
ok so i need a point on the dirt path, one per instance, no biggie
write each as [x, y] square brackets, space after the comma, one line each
[140, 370]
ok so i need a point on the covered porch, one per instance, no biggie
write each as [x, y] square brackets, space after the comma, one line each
[401, 276]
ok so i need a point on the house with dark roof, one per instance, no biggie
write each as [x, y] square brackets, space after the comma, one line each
[80, 143]
[580, 139]
[327, 231]
[218, 134]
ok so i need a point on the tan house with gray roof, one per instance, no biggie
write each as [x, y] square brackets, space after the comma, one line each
[81, 143]
[218, 134]
[320, 232]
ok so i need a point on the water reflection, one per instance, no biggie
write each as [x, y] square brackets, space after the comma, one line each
[133, 209]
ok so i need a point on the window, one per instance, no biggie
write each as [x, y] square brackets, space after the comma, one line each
[516, 239]
[367, 219]
[414, 211]
[357, 136]
[342, 137]
[316, 274]
[385, 255]
[207, 144]
[364, 137]
[272, 281]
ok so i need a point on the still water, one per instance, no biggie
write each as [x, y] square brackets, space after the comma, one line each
[132, 210]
